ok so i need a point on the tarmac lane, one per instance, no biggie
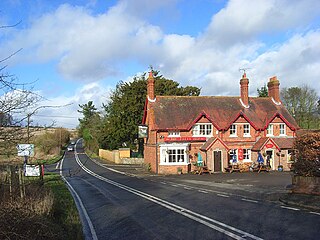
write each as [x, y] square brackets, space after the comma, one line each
[119, 206]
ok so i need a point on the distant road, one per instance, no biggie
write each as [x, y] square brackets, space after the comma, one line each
[117, 206]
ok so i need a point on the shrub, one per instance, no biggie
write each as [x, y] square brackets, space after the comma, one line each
[307, 156]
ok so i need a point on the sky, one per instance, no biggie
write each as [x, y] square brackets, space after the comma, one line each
[78, 50]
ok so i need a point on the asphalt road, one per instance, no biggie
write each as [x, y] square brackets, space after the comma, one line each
[113, 205]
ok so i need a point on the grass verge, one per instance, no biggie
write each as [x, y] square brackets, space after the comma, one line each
[64, 210]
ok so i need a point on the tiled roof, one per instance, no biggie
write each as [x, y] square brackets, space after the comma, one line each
[282, 143]
[209, 143]
[181, 112]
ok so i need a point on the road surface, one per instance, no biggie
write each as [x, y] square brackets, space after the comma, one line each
[113, 205]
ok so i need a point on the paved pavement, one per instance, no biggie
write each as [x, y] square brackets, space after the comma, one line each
[270, 186]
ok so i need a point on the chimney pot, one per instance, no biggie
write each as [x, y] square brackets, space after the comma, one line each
[244, 86]
[273, 89]
[150, 87]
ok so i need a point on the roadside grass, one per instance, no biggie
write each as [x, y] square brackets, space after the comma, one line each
[64, 211]
[45, 211]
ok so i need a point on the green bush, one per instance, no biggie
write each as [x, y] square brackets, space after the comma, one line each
[307, 156]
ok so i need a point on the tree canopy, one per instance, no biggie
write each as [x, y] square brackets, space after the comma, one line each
[302, 103]
[263, 91]
[124, 111]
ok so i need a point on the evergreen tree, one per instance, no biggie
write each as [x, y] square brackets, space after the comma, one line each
[124, 111]
[263, 91]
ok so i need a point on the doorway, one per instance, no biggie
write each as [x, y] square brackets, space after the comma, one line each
[217, 161]
[271, 158]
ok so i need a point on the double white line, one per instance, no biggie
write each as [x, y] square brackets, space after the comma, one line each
[214, 224]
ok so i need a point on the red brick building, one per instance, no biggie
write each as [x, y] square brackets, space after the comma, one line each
[185, 129]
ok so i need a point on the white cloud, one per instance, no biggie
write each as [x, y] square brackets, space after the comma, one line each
[91, 47]
[242, 20]
[67, 113]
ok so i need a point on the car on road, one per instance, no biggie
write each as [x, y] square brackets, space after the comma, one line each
[70, 148]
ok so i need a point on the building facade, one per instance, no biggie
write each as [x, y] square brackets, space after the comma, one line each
[183, 131]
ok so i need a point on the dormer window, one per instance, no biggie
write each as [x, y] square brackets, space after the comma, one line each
[282, 129]
[270, 130]
[173, 133]
[233, 130]
[246, 130]
[202, 129]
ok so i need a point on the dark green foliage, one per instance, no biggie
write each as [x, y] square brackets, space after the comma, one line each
[307, 157]
[302, 103]
[124, 111]
[90, 126]
[263, 91]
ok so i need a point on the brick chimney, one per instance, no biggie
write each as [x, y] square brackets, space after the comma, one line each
[273, 89]
[150, 88]
[244, 86]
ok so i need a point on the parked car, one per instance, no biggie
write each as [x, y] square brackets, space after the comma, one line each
[70, 148]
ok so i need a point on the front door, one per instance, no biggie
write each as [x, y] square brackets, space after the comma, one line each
[271, 158]
[217, 161]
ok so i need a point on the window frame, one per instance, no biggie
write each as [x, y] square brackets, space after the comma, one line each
[270, 129]
[200, 128]
[246, 155]
[233, 152]
[233, 127]
[169, 152]
[284, 129]
[175, 133]
[246, 134]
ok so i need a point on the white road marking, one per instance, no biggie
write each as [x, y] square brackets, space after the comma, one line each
[290, 208]
[316, 213]
[188, 188]
[222, 195]
[79, 203]
[202, 191]
[58, 165]
[212, 223]
[163, 183]
[249, 200]
[174, 185]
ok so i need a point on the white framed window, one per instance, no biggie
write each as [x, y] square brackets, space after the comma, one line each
[174, 154]
[233, 130]
[270, 130]
[246, 130]
[202, 129]
[282, 128]
[233, 154]
[173, 133]
[246, 155]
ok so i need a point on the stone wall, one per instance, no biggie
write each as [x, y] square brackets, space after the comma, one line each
[114, 156]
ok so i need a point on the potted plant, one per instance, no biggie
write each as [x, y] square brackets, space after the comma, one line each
[179, 170]
[280, 168]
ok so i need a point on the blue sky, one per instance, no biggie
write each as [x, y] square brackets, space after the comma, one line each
[77, 51]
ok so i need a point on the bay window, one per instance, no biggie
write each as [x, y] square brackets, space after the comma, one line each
[174, 154]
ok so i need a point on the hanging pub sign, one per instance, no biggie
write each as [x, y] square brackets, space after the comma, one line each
[142, 131]
[240, 154]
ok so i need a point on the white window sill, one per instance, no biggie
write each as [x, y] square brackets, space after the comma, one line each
[173, 164]
[247, 136]
[246, 160]
[283, 135]
[270, 135]
[233, 136]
